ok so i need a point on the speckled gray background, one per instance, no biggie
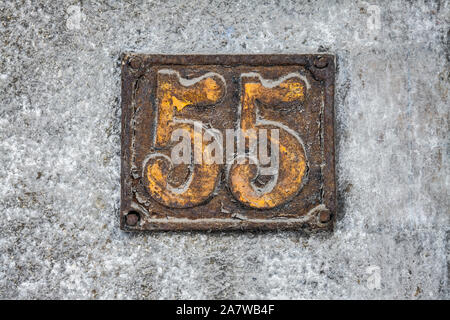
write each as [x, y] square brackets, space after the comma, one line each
[60, 152]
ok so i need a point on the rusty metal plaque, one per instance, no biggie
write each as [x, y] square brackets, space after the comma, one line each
[227, 142]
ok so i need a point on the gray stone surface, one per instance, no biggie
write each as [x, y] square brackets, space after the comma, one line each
[60, 152]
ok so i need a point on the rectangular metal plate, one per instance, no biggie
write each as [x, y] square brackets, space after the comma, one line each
[227, 142]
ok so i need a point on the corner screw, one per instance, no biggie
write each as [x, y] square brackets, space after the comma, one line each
[132, 218]
[135, 63]
[321, 62]
[324, 216]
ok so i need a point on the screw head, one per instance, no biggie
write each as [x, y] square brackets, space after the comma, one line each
[321, 63]
[132, 218]
[135, 63]
[324, 216]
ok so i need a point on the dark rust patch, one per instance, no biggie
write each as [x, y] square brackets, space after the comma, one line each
[293, 94]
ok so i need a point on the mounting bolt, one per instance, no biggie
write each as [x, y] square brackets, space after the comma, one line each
[135, 63]
[321, 63]
[324, 216]
[132, 218]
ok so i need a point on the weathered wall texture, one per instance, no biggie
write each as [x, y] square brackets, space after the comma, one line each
[60, 152]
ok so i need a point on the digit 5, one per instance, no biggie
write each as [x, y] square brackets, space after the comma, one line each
[244, 177]
[175, 93]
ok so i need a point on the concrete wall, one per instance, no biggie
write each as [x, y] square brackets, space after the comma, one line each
[60, 152]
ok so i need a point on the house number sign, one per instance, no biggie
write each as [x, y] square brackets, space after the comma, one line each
[227, 142]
